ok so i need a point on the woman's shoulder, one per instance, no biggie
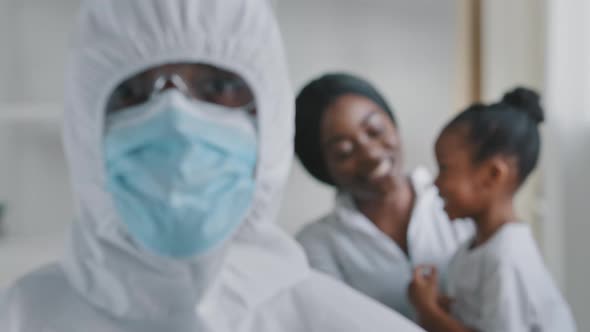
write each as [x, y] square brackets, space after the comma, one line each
[318, 229]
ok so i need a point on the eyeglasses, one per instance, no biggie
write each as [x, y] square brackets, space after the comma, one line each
[198, 81]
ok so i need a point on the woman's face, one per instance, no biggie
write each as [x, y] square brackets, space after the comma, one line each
[361, 147]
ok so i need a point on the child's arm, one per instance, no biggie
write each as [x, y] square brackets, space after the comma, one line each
[437, 320]
[424, 295]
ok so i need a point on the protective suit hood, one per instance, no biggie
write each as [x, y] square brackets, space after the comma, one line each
[116, 39]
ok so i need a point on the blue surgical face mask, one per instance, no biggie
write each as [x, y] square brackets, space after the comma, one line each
[181, 172]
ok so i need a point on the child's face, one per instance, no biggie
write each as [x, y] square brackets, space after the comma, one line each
[459, 180]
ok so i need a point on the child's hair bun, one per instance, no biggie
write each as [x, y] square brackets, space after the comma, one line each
[527, 101]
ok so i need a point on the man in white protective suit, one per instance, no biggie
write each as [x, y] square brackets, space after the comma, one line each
[178, 132]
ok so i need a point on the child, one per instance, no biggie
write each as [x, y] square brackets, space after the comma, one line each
[497, 280]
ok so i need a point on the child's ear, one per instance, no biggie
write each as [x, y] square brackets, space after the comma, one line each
[496, 172]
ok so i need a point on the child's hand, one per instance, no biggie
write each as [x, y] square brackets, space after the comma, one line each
[444, 302]
[423, 289]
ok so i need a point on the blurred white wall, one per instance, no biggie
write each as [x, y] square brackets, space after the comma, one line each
[567, 180]
[34, 35]
[35, 189]
[406, 48]
[33, 175]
